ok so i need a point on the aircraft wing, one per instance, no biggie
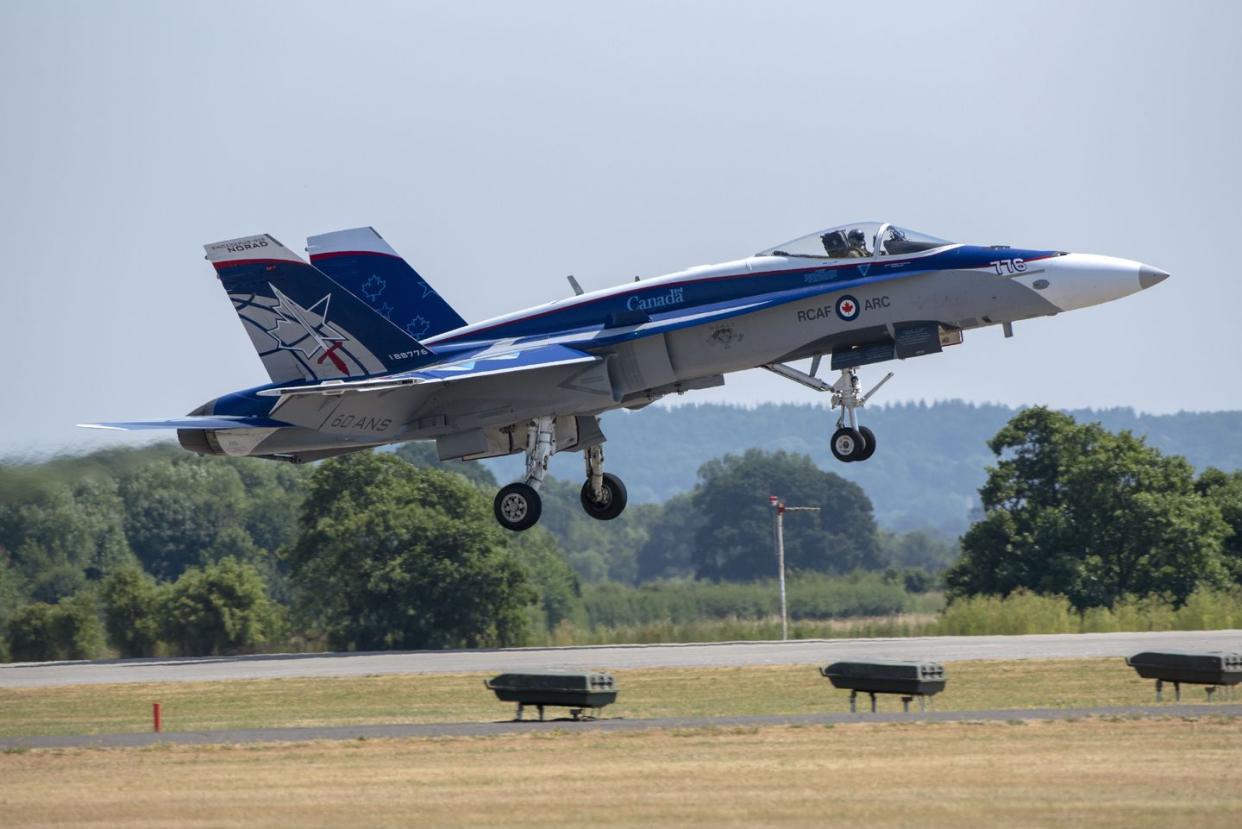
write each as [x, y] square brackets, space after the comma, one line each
[505, 358]
[190, 422]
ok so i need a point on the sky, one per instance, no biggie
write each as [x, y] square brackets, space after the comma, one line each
[501, 146]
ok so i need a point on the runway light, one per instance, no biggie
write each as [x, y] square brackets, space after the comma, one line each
[577, 692]
[909, 679]
[1213, 669]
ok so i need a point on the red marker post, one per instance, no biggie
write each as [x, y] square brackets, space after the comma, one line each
[778, 531]
[156, 719]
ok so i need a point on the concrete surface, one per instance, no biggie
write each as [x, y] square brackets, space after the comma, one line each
[612, 657]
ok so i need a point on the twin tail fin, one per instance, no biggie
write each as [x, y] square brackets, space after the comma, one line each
[305, 325]
[361, 261]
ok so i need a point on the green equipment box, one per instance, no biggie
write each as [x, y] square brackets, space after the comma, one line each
[578, 692]
[1210, 668]
[909, 679]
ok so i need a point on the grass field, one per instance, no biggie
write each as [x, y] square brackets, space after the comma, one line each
[95, 709]
[1155, 772]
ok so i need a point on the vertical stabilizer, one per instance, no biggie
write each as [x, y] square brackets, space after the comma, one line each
[361, 261]
[303, 324]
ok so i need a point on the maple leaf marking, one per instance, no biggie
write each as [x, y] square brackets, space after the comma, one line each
[303, 329]
[373, 287]
[417, 327]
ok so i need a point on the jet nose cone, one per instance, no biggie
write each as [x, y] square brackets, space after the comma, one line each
[1149, 276]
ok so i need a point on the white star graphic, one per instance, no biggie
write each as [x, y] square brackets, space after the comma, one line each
[303, 329]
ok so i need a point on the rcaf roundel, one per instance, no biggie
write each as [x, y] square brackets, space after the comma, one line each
[848, 308]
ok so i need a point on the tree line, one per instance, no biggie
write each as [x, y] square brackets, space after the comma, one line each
[157, 551]
[1075, 510]
[931, 461]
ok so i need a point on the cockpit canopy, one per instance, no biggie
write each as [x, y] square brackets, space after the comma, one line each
[857, 241]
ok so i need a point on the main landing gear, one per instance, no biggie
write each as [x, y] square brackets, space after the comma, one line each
[850, 442]
[518, 505]
[603, 495]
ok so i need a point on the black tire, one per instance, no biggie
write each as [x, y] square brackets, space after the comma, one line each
[615, 498]
[846, 444]
[868, 442]
[517, 507]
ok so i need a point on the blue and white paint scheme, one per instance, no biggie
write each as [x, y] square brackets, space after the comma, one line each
[361, 350]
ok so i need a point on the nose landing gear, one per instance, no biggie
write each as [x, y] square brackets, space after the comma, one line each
[850, 442]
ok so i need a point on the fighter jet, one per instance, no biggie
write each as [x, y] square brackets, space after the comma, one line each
[361, 350]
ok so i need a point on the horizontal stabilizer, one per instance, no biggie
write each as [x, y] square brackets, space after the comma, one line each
[484, 363]
[190, 423]
[506, 361]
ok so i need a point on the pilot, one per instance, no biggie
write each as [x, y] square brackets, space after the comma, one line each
[835, 244]
[857, 244]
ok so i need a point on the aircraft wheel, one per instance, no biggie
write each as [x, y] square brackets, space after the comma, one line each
[613, 503]
[868, 437]
[517, 507]
[847, 444]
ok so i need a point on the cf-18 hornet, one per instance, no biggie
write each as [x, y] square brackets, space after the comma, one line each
[362, 352]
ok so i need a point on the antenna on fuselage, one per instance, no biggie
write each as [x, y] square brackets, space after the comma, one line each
[573, 283]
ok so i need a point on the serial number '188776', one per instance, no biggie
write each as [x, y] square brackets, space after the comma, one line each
[1008, 267]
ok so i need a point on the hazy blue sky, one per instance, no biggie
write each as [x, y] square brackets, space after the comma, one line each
[502, 146]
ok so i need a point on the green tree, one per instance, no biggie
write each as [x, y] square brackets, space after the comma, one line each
[668, 552]
[1073, 509]
[537, 549]
[40, 632]
[220, 608]
[11, 596]
[30, 633]
[423, 455]
[273, 498]
[597, 550]
[1224, 489]
[391, 556]
[131, 602]
[560, 595]
[176, 512]
[76, 627]
[918, 548]
[64, 535]
[734, 541]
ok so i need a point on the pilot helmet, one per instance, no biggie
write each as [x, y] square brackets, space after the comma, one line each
[857, 237]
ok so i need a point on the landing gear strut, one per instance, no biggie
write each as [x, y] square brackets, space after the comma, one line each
[518, 506]
[850, 442]
[603, 495]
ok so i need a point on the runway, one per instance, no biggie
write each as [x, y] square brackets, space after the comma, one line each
[486, 729]
[613, 657]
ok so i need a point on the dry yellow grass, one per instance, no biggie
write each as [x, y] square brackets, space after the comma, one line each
[1125, 773]
[668, 692]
